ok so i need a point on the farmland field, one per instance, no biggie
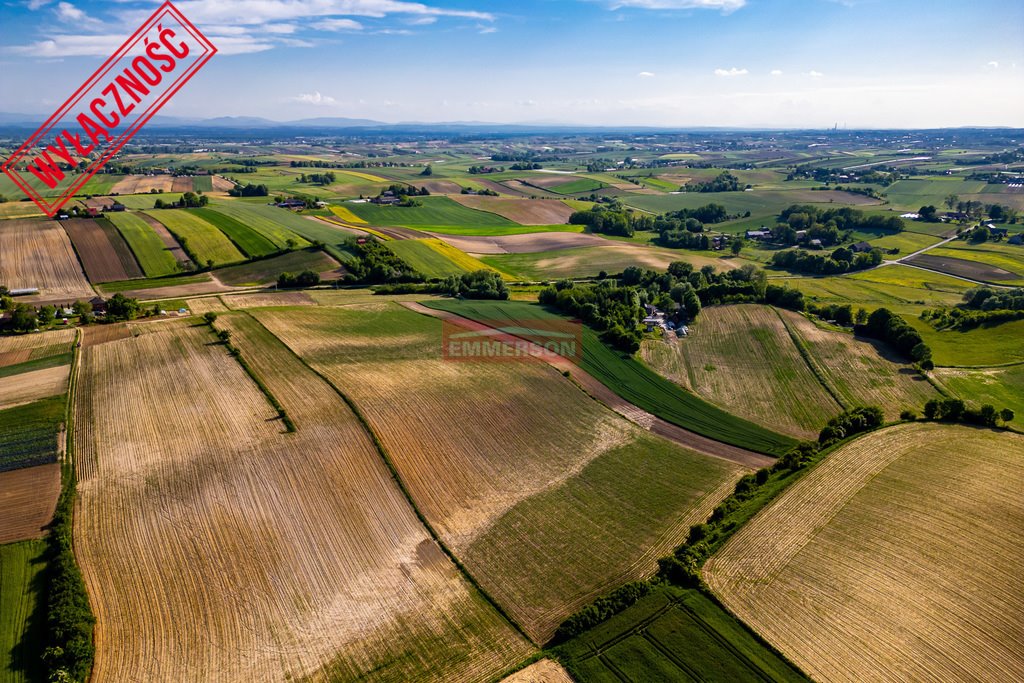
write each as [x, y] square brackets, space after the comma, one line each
[103, 258]
[904, 276]
[277, 225]
[742, 358]
[511, 496]
[205, 241]
[971, 264]
[993, 345]
[896, 557]
[250, 242]
[150, 251]
[522, 211]
[37, 346]
[33, 385]
[1002, 387]
[28, 497]
[635, 382]
[29, 433]
[434, 258]
[267, 270]
[22, 596]
[38, 253]
[673, 635]
[257, 555]
[435, 211]
[590, 261]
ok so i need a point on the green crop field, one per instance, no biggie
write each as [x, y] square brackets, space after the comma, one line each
[590, 261]
[277, 225]
[991, 345]
[154, 258]
[760, 203]
[1002, 387]
[915, 278]
[202, 183]
[434, 211]
[205, 241]
[435, 258]
[110, 288]
[22, 611]
[578, 186]
[907, 242]
[146, 201]
[266, 271]
[101, 183]
[673, 635]
[871, 294]
[28, 433]
[635, 382]
[250, 242]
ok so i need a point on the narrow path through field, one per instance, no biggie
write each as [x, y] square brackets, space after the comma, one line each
[603, 394]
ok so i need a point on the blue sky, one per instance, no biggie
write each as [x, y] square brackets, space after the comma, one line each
[785, 63]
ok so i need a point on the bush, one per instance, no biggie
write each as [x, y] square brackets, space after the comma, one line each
[851, 422]
[306, 278]
[602, 609]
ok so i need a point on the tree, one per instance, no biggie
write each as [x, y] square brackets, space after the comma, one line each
[929, 214]
[122, 307]
[951, 201]
[1006, 414]
[209, 317]
[427, 170]
[736, 247]
[46, 314]
[23, 318]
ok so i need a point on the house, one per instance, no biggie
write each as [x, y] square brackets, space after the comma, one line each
[387, 199]
[860, 247]
[93, 211]
[291, 204]
[116, 207]
[99, 306]
[997, 232]
[762, 234]
[815, 244]
[911, 216]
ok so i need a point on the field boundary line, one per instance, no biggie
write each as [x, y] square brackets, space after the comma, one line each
[812, 364]
[405, 491]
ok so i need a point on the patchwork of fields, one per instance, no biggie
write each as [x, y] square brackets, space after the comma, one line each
[895, 557]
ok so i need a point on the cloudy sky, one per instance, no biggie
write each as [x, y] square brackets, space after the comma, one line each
[785, 63]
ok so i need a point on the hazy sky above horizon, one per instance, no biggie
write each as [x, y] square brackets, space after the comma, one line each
[772, 63]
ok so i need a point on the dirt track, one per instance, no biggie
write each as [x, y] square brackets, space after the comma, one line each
[600, 392]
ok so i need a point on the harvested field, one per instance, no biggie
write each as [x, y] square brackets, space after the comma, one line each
[178, 291]
[142, 184]
[440, 186]
[511, 495]
[544, 671]
[221, 184]
[101, 334]
[28, 497]
[862, 372]
[218, 548]
[972, 270]
[268, 299]
[522, 211]
[181, 184]
[102, 260]
[525, 244]
[590, 261]
[742, 358]
[35, 346]
[32, 386]
[896, 558]
[207, 304]
[38, 253]
[266, 271]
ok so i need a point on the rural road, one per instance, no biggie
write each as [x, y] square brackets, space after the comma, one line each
[603, 394]
[903, 261]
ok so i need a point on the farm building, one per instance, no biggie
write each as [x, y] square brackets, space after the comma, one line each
[99, 305]
[860, 247]
[24, 291]
[997, 232]
[762, 234]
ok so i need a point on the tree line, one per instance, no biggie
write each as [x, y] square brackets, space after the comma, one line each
[981, 306]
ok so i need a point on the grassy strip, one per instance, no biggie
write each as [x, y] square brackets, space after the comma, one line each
[405, 491]
[70, 620]
[811, 361]
[36, 364]
[249, 370]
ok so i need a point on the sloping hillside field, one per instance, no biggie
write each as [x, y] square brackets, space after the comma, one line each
[216, 547]
[896, 558]
[549, 498]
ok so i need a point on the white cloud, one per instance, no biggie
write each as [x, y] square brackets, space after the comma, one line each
[68, 46]
[421, 21]
[264, 11]
[730, 73]
[315, 98]
[480, 28]
[814, 74]
[993, 65]
[70, 14]
[340, 25]
[284, 29]
[36, 4]
[776, 72]
[725, 6]
[646, 74]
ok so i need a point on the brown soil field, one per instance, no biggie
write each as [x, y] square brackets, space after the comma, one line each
[544, 671]
[501, 188]
[972, 270]
[141, 184]
[36, 345]
[522, 211]
[167, 238]
[38, 253]
[32, 386]
[207, 304]
[896, 558]
[742, 358]
[524, 244]
[28, 498]
[218, 548]
[439, 186]
[95, 335]
[266, 299]
[181, 184]
[104, 261]
[211, 286]
[222, 184]
[495, 464]
[517, 187]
